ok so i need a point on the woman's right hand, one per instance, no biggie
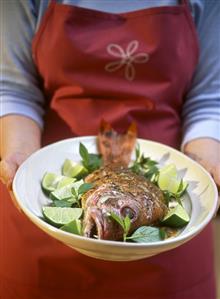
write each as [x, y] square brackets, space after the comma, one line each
[20, 137]
[9, 166]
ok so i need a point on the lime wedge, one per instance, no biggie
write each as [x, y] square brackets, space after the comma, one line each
[50, 181]
[170, 184]
[167, 179]
[74, 227]
[182, 188]
[65, 181]
[176, 217]
[72, 169]
[77, 184]
[169, 169]
[65, 192]
[62, 193]
[61, 216]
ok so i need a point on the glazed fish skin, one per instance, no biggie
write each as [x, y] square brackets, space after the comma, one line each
[117, 189]
[116, 148]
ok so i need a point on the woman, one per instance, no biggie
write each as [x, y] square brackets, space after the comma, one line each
[125, 62]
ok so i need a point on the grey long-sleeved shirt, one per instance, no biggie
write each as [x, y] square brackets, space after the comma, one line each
[19, 90]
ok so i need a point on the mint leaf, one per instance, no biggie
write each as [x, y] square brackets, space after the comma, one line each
[162, 233]
[145, 166]
[84, 154]
[74, 192]
[94, 162]
[118, 219]
[137, 151]
[84, 188]
[146, 234]
[76, 196]
[90, 161]
[127, 224]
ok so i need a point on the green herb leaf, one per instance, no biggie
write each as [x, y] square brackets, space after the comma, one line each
[74, 192]
[84, 188]
[145, 166]
[95, 162]
[146, 234]
[137, 151]
[76, 196]
[118, 219]
[162, 233]
[127, 224]
[84, 154]
[169, 196]
[90, 161]
[151, 172]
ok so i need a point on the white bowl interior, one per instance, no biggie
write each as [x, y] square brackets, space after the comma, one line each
[200, 200]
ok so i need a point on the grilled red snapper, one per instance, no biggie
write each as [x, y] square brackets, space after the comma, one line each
[117, 189]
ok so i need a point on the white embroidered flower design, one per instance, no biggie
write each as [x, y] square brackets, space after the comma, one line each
[128, 58]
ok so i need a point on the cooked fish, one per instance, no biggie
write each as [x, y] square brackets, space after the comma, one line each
[117, 189]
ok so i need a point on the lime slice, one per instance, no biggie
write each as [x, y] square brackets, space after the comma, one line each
[61, 216]
[168, 183]
[169, 169]
[65, 181]
[50, 181]
[182, 188]
[77, 184]
[72, 169]
[74, 227]
[63, 192]
[176, 217]
[167, 179]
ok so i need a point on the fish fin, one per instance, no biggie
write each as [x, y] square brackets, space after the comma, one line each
[116, 148]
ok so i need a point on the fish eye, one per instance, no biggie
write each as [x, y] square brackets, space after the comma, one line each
[127, 211]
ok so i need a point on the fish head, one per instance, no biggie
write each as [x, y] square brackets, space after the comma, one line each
[98, 220]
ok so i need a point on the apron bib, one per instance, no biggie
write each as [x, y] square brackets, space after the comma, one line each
[134, 66]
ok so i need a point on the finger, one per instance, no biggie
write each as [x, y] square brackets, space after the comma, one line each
[217, 208]
[215, 172]
[7, 172]
[216, 175]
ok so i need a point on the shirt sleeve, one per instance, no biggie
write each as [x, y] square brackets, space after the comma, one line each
[201, 111]
[20, 93]
[19, 90]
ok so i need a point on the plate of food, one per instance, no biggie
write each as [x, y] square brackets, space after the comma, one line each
[115, 197]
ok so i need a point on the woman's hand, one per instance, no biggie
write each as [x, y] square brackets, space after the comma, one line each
[206, 151]
[9, 165]
[20, 137]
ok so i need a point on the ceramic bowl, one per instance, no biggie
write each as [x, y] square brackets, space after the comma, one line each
[200, 200]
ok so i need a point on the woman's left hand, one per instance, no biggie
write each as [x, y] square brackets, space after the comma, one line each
[206, 151]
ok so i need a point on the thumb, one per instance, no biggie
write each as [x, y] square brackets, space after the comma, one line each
[9, 166]
[8, 169]
[7, 173]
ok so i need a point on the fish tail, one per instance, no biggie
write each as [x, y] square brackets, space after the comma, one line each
[116, 148]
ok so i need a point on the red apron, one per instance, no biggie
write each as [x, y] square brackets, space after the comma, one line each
[126, 67]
